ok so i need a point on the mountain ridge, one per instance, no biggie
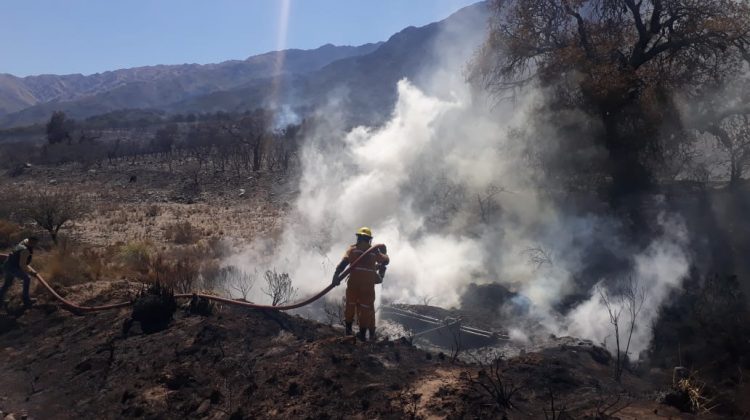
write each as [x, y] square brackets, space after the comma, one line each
[18, 94]
[362, 78]
[366, 83]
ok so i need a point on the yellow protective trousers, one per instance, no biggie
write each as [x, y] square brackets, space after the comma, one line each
[360, 300]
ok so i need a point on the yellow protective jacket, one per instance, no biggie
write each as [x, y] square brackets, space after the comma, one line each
[367, 269]
[360, 289]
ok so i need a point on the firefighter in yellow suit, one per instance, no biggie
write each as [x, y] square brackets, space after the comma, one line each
[360, 289]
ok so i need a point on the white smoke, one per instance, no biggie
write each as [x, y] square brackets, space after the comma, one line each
[285, 116]
[382, 177]
[368, 179]
[658, 271]
[449, 189]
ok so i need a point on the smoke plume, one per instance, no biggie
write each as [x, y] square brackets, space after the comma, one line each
[451, 190]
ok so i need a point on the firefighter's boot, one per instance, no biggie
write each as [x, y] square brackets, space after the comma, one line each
[373, 337]
[349, 328]
[361, 334]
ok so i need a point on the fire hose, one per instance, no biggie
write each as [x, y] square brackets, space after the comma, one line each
[447, 324]
[76, 308]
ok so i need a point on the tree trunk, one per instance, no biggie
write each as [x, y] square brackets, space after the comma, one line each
[629, 175]
[735, 171]
[257, 156]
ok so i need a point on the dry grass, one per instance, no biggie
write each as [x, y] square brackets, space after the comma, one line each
[120, 218]
[135, 232]
[695, 390]
[182, 268]
[181, 233]
[10, 234]
[65, 266]
[135, 256]
[152, 211]
[132, 222]
[215, 247]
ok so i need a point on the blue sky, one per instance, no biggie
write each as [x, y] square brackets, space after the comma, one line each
[90, 36]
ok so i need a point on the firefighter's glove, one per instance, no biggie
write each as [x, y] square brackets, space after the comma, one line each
[336, 280]
[339, 269]
[383, 249]
[381, 272]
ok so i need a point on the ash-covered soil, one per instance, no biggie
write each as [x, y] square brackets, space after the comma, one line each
[260, 364]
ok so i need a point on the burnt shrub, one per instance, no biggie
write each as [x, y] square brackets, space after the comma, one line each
[279, 287]
[153, 309]
[180, 272]
[199, 305]
[706, 324]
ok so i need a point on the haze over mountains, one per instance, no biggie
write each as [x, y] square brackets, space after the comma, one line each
[362, 78]
[153, 86]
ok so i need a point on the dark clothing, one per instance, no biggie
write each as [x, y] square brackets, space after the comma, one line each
[16, 266]
[10, 274]
[20, 251]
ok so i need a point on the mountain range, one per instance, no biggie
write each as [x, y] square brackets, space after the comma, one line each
[362, 78]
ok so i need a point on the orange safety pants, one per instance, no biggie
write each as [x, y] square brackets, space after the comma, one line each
[360, 300]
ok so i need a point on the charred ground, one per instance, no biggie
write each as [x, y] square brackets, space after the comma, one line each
[249, 364]
[255, 364]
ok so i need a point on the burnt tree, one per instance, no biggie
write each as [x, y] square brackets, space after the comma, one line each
[621, 62]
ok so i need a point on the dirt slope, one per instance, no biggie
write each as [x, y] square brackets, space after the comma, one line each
[247, 364]
[254, 364]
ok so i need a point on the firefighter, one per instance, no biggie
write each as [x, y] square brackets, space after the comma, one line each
[360, 289]
[17, 266]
